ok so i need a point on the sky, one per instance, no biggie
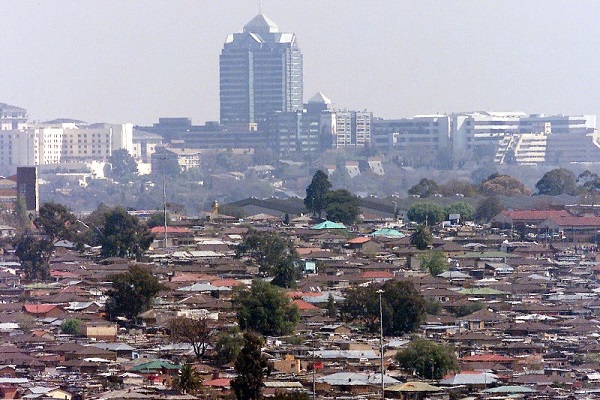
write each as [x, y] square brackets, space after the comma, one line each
[135, 61]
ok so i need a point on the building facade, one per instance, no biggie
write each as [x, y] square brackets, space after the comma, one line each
[260, 73]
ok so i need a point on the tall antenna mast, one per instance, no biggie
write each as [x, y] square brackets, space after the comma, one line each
[260, 6]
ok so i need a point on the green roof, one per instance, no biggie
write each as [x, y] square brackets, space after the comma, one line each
[154, 365]
[387, 232]
[328, 225]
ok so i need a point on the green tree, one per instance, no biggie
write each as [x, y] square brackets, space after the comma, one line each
[228, 345]
[71, 326]
[467, 308]
[56, 222]
[556, 182]
[316, 193]
[266, 309]
[425, 188]
[331, 307]
[403, 308]
[458, 186]
[196, 332]
[342, 206]
[123, 167]
[274, 255]
[123, 235]
[487, 209]
[463, 208]
[188, 380]
[434, 262]
[158, 219]
[503, 185]
[34, 254]
[426, 213]
[132, 292]
[427, 359]
[421, 238]
[251, 367]
[589, 184]
[20, 217]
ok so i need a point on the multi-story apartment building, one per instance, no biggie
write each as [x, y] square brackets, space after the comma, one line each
[12, 118]
[260, 73]
[352, 128]
[302, 132]
[62, 142]
[412, 134]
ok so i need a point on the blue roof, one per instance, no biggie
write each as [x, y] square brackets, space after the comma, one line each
[328, 225]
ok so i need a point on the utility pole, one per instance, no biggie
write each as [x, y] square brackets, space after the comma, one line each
[381, 343]
[164, 160]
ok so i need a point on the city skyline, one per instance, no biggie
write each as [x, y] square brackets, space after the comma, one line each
[149, 60]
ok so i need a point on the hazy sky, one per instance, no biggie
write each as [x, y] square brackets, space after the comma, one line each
[136, 61]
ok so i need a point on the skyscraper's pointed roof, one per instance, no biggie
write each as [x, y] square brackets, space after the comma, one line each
[319, 98]
[261, 24]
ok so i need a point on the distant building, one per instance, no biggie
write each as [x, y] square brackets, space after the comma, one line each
[12, 118]
[183, 158]
[63, 142]
[515, 137]
[260, 73]
[431, 132]
[309, 131]
[353, 128]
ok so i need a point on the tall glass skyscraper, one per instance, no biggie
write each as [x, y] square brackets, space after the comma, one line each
[261, 73]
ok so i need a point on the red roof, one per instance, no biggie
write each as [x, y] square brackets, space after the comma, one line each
[39, 308]
[359, 240]
[487, 358]
[377, 275]
[304, 305]
[576, 221]
[534, 215]
[220, 382]
[226, 283]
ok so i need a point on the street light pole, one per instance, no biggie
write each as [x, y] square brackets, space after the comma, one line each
[381, 343]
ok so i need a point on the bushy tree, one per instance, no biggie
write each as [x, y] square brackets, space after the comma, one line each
[54, 222]
[228, 345]
[426, 213]
[274, 255]
[71, 326]
[556, 182]
[402, 307]
[266, 309]
[589, 182]
[196, 332]
[434, 262]
[132, 292]
[342, 206]
[427, 359]
[487, 209]
[123, 165]
[425, 188]
[251, 367]
[503, 185]
[463, 208]
[421, 238]
[458, 186]
[123, 235]
[34, 254]
[316, 193]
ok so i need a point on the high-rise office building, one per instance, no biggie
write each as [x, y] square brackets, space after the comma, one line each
[260, 73]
